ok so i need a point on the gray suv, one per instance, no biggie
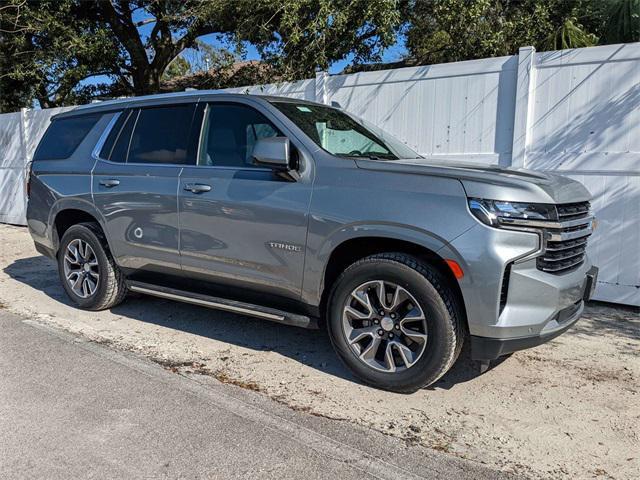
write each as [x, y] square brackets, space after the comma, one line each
[303, 214]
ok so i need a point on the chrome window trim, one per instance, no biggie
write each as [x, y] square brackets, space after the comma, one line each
[204, 121]
[133, 131]
[95, 153]
[223, 167]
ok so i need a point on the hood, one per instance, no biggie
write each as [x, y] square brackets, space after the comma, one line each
[490, 181]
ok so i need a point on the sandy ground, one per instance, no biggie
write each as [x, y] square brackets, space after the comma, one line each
[567, 409]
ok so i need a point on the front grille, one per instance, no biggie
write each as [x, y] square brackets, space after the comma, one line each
[571, 211]
[566, 245]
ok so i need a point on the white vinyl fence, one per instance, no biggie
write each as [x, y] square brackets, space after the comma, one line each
[575, 112]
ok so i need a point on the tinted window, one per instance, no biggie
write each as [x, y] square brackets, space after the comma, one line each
[122, 139]
[161, 135]
[63, 137]
[105, 151]
[230, 132]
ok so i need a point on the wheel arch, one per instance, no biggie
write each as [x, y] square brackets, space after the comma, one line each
[67, 214]
[356, 247]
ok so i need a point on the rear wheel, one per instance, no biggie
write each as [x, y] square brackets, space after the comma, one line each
[87, 270]
[394, 322]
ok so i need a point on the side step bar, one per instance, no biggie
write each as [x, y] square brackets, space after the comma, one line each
[218, 303]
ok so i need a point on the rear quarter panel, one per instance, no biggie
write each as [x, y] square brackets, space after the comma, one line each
[57, 185]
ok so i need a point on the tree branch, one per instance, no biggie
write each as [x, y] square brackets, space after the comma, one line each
[125, 30]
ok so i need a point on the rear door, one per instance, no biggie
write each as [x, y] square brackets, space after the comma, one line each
[135, 181]
[242, 224]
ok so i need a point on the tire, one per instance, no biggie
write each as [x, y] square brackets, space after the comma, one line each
[441, 321]
[110, 288]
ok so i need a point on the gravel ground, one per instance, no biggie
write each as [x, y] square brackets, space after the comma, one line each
[567, 409]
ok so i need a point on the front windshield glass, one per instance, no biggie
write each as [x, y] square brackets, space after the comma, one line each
[343, 135]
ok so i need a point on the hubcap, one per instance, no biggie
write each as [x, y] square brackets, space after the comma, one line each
[385, 326]
[81, 268]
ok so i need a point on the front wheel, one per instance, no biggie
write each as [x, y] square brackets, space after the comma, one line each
[394, 322]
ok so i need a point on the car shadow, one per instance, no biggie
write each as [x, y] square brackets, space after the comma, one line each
[309, 347]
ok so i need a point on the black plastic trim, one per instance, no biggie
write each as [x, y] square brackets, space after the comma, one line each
[47, 252]
[487, 348]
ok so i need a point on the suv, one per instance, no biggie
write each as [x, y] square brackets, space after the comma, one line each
[303, 214]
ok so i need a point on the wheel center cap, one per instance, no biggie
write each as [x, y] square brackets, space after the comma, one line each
[86, 267]
[387, 324]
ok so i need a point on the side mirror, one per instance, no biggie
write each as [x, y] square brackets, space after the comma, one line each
[272, 152]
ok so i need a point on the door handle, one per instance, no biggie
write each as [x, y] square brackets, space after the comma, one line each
[197, 187]
[112, 182]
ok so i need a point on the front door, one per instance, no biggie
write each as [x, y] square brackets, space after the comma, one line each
[135, 184]
[241, 224]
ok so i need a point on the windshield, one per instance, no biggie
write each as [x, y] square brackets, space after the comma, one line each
[343, 135]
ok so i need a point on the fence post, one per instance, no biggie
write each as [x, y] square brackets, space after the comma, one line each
[525, 97]
[321, 87]
[23, 135]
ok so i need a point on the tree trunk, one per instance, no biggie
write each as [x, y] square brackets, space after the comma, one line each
[154, 80]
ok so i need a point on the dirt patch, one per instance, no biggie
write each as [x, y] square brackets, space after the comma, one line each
[570, 408]
[224, 377]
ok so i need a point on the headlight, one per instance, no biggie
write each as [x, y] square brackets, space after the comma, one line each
[497, 213]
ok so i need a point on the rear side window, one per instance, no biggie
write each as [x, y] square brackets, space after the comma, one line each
[122, 138]
[63, 137]
[161, 135]
[107, 147]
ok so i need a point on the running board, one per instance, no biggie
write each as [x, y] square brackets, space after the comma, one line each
[218, 303]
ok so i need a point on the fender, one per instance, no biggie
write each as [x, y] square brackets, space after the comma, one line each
[318, 259]
[71, 203]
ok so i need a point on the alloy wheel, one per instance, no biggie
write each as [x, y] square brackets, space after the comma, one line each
[385, 326]
[81, 268]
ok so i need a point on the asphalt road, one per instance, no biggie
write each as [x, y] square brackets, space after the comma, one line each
[70, 408]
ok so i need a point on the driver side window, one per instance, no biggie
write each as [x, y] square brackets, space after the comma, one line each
[230, 132]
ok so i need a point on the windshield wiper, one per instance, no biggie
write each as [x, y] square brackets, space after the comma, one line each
[370, 156]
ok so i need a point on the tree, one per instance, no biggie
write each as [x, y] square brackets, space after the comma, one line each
[178, 67]
[300, 37]
[47, 49]
[453, 30]
[13, 93]
[203, 57]
[622, 21]
[52, 47]
[569, 35]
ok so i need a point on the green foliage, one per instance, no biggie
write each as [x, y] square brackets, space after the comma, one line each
[622, 21]
[204, 57]
[299, 37]
[49, 48]
[178, 67]
[451, 30]
[45, 55]
[569, 35]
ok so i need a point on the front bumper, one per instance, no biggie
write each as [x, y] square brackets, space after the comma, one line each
[536, 305]
[487, 348]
